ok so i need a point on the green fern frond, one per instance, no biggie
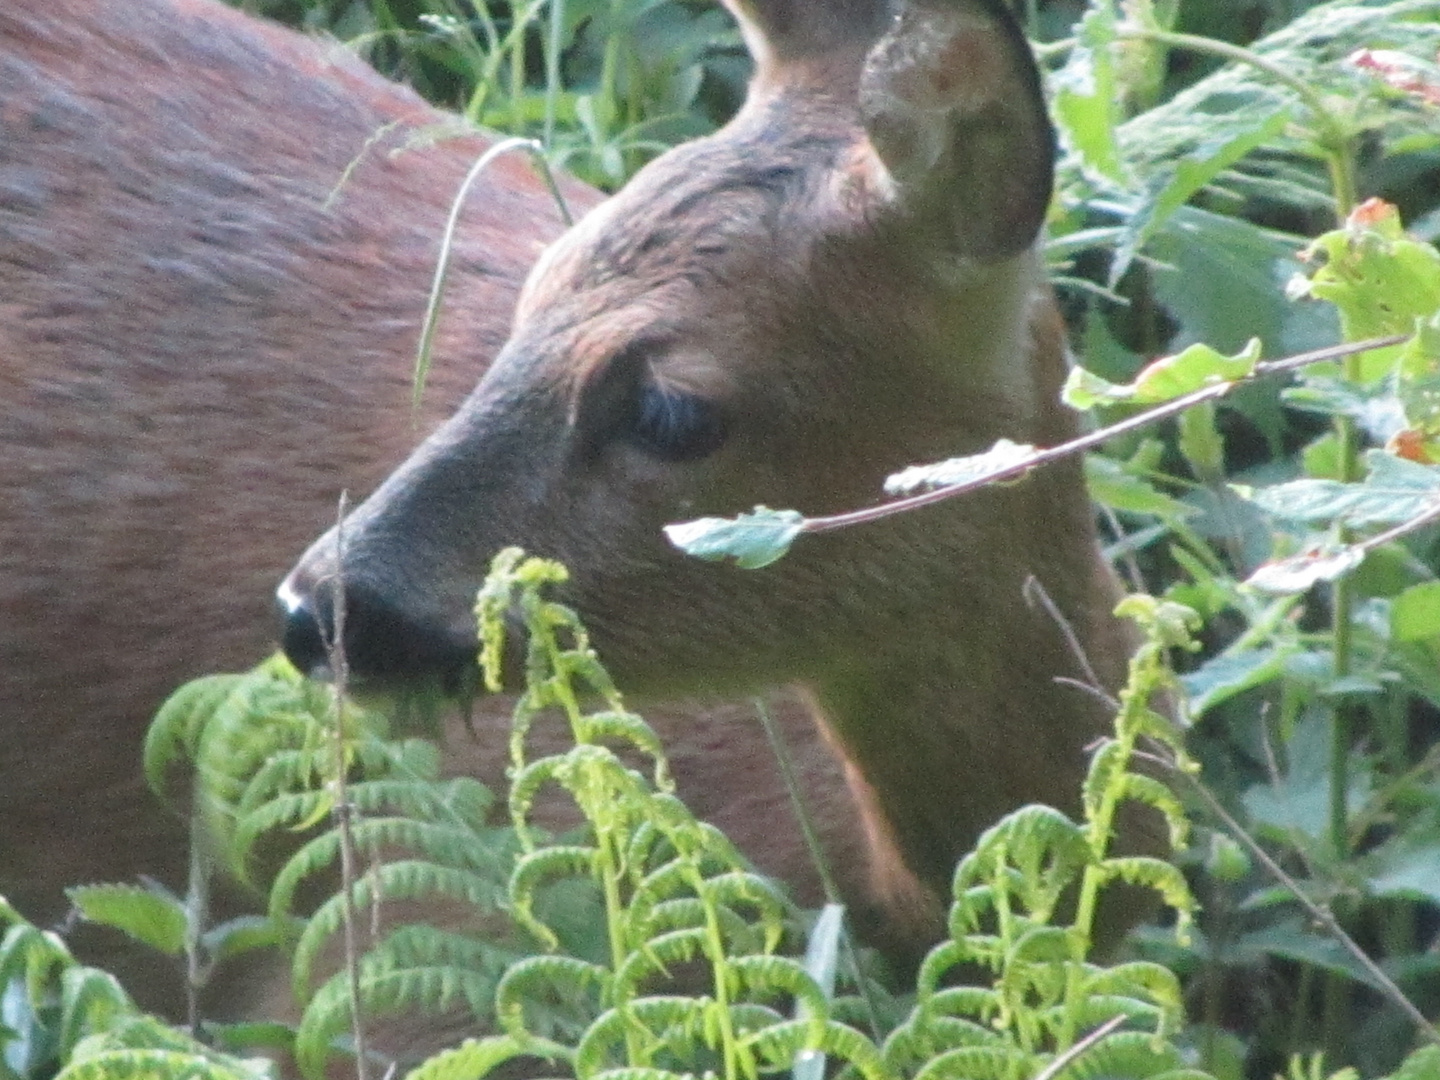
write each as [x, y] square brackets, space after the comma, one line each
[144, 1047]
[975, 1063]
[170, 740]
[536, 977]
[776, 1046]
[1165, 878]
[388, 990]
[403, 879]
[1124, 1054]
[913, 1044]
[1099, 1008]
[540, 867]
[622, 727]
[1138, 978]
[478, 1057]
[154, 1065]
[1030, 857]
[91, 1000]
[1146, 789]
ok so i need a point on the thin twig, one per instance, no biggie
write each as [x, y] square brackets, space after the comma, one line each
[1035, 594]
[1317, 911]
[340, 671]
[1095, 438]
[1056, 1067]
[447, 242]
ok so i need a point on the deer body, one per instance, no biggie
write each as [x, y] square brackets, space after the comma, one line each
[215, 250]
[842, 282]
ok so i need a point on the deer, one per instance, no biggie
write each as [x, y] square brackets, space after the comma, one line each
[843, 281]
[216, 241]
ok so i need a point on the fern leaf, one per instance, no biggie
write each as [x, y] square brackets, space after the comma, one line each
[1122, 1053]
[1150, 982]
[1164, 878]
[1152, 792]
[1107, 763]
[979, 1002]
[475, 1058]
[1046, 846]
[639, 1029]
[977, 1063]
[530, 979]
[405, 879]
[172, 735]
[621, 727]
[154, 1065]
[537, 868]
[655, 956]
[766, 976]
[388, 991]
[779, 1044]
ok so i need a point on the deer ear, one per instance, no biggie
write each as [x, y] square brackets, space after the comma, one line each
[952, 102]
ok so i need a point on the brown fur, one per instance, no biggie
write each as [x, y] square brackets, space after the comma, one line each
[847, 274]
[197, 354]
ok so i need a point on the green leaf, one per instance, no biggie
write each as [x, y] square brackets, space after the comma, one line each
[173, 733]
[1222, 677]
[1087, 98]
[1191, 369]
[1380, 280]
[243, 934]
[1395, 491]
[1204, 160]
[1300, 572]
[1415, 613]
[752, 540]
[1298, 801]
[1165, 379]
[147, 916]
[1112, 485]
[1001, 457]
[1407, 868]
[475, 1058]
[1200, 441]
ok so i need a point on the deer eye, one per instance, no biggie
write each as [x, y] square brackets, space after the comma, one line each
[674, 425]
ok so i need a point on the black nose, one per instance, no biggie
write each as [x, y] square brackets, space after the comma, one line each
[381, 644]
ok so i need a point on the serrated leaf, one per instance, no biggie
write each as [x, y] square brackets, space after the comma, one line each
[752, 540]
[1380, 280]
[1394, 491]
[1222, 677]
[1001, 457]
[157, 921]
